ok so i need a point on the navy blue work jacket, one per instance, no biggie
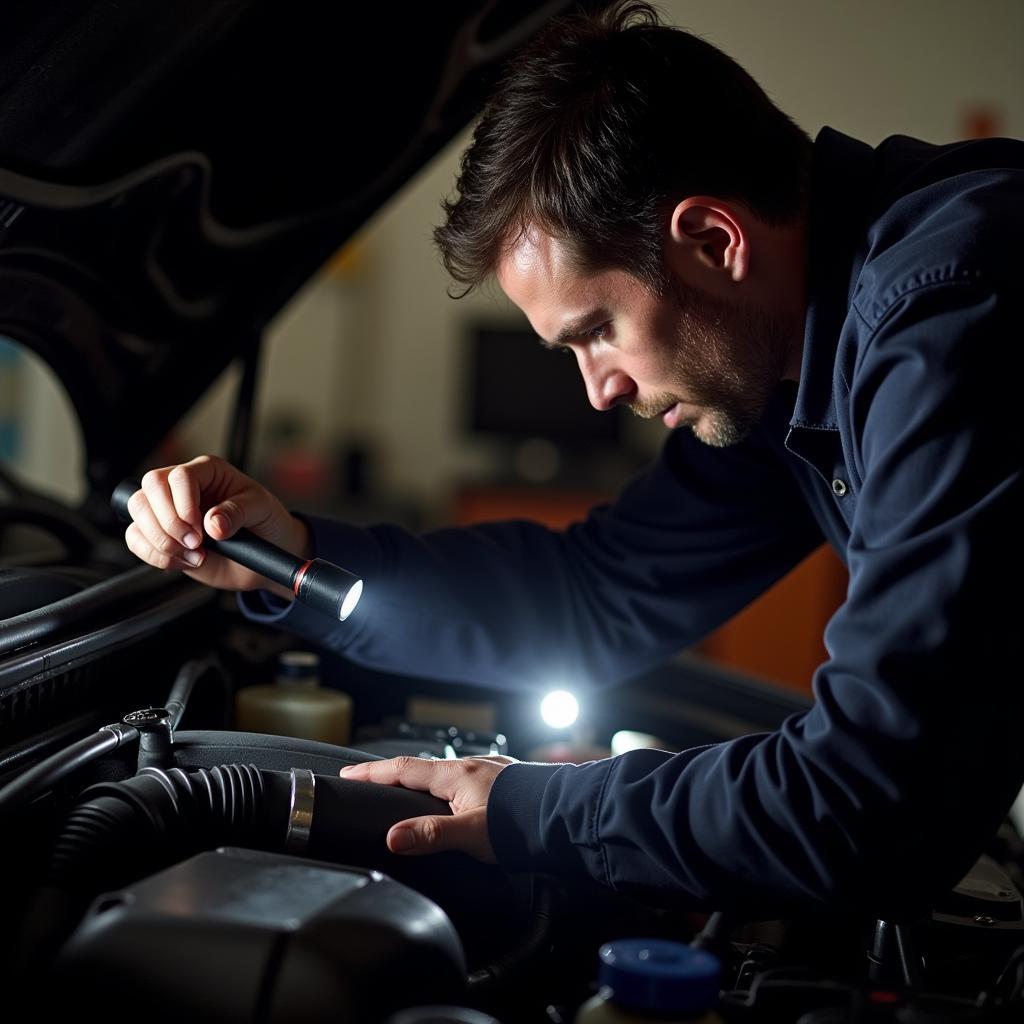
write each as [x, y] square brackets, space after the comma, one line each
[902, 448]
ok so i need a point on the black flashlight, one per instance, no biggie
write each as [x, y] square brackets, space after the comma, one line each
[321, 584]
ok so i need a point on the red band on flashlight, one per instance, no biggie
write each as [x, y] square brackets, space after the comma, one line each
[299, 575]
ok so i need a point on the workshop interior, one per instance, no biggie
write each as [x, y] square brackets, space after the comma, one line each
[214, 237]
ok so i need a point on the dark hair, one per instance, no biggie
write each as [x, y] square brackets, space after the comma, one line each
[598, 123]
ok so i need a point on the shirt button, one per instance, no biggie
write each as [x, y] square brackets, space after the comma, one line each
[838, 487]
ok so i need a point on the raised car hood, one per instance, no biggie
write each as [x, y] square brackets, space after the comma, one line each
[171, 172]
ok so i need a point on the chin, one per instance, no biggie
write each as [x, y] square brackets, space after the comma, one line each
[718, 431]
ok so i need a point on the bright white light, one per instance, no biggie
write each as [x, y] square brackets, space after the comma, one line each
[625, 740]
[351, 600]
[559, 709]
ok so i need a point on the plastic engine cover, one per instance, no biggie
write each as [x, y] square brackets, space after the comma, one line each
[243, 935]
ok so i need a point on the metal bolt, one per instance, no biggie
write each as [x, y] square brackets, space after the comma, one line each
[1004, 894]
[984, 919]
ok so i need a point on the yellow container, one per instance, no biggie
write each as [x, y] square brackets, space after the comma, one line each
[295, 704]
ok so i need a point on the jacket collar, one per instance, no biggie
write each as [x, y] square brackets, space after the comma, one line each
[842, 170]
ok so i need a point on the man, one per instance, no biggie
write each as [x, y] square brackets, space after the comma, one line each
[832, 335]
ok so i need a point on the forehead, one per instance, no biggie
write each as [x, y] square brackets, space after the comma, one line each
[535, 265]
[538, 274]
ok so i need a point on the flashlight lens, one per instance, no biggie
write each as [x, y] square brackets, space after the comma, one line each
[351, 600]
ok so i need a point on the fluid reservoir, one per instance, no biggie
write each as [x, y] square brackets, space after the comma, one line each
[653, 981]
[295, 704]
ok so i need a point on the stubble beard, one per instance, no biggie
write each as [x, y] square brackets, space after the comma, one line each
[727, 360]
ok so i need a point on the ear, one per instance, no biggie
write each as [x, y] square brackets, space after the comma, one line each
[711, 232]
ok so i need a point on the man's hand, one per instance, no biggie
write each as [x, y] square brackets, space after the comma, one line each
[465, 784]
[178, 504]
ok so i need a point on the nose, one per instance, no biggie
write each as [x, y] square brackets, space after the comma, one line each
[607, 385]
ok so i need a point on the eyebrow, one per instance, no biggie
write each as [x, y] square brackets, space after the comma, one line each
[575, 327]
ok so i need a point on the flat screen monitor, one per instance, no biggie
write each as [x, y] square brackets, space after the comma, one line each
[519, 390]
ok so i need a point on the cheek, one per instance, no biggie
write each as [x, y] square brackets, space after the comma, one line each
[659, 357]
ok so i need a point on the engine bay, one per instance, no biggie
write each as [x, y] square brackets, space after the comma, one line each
[165, 196]
[156, 857]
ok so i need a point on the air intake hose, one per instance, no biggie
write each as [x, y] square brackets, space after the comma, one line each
[122, 831]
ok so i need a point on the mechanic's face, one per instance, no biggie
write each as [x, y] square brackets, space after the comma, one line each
[689, 357]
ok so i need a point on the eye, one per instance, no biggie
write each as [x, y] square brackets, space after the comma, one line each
[600, 331]
[565, 350]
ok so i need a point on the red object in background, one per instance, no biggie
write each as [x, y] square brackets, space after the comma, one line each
[883, 997]
[981, 122]
[169, 451]
[299, 473]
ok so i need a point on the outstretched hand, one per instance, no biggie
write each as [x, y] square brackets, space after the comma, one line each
[466, 785]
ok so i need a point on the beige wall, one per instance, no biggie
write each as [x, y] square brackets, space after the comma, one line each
[375, 353]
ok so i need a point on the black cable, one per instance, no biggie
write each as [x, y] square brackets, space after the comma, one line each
[536, 942]
[1015, 963]
[188, 675]
[30, 627]
[40, 744]
[46, 774]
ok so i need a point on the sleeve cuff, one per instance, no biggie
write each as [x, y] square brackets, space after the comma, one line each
[349, 546]
[514, 815]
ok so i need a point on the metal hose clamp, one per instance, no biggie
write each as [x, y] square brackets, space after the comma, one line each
[300, 810]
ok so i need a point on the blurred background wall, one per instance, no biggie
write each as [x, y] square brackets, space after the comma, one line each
[364, 378]
[374, 351]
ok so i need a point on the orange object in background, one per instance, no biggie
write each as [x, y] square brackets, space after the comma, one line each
[777, 637]
[556, 507]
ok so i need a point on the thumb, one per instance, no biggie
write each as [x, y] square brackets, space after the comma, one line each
[224, 519]
[253, 507]
[434, 833]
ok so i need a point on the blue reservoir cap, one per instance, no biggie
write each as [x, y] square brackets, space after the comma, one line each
[655, 974]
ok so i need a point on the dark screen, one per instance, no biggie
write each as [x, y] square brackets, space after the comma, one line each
[518, 389]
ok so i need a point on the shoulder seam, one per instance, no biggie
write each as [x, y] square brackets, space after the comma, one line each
[874, 324]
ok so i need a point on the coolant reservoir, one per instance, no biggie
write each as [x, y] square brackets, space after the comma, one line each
[295, 704]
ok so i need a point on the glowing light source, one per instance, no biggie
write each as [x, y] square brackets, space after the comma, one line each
[626, 739]
[351, 600]
[559, 709]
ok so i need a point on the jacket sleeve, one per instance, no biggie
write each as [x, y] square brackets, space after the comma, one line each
[514, 604]
[888, 788]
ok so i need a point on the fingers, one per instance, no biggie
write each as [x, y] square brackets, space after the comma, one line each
[177, 503]
[436, 833]
[167, 526]
[147, 538]
[167, 509]
[465, 784]
[157, 516]
[435, 777]
[185, 495]
[171, 556]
